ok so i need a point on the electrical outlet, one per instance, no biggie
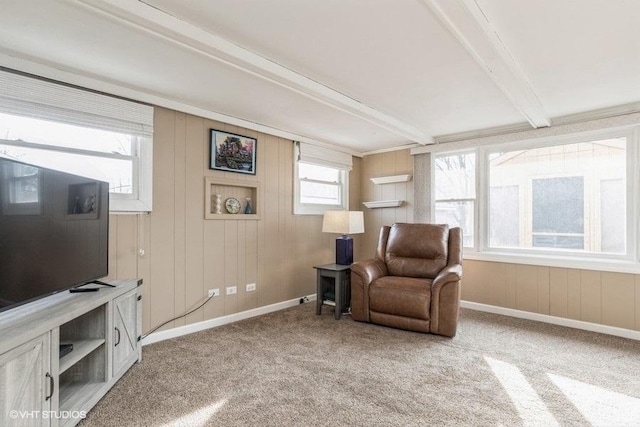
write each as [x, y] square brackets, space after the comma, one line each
[214, 292]
[232, 290]
[251, 287]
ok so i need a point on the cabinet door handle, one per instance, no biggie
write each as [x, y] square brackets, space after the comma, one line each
[118, 340]
[52, 384]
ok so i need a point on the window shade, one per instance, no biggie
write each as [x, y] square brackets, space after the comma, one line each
[323, 156]
[31, 97]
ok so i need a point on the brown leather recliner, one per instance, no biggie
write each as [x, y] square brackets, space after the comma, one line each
[413, 282]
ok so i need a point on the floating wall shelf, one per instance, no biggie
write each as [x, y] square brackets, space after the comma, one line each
[384, 204]
[391, 179]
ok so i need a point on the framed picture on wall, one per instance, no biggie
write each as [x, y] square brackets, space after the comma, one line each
[231, 152]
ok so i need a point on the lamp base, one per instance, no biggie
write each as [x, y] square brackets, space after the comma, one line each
[344, 250]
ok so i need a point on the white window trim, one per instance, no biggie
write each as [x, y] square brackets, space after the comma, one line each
[28, 96]
[475, 199]
[344, 168]
[315, 209]
[141, 200]
[627, 263]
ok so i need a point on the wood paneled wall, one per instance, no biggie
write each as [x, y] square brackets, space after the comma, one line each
[605, 298]
[377, 165]
[186, 255]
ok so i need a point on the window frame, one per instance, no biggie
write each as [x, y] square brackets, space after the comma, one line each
[300, 208]
[44, 99]
[627, 262]
[139, 200]
[474, 200]
[327, 159]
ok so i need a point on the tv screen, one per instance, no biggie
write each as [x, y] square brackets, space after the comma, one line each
[54, 231]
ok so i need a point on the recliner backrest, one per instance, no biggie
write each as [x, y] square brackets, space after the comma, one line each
[415, 250]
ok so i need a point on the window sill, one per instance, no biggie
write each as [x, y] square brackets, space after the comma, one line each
[129, 206]
[596, 264]
[316, 209]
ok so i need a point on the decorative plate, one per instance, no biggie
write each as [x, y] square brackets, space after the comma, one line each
[232, 205]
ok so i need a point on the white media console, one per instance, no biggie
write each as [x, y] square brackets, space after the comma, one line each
[37, 386]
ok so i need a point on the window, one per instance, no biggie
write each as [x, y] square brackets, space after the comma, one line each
[571, 197]
[504, 216]
[556, 201]
[109, 156]
[321, 180]
[455, 192]
[319, 185]
[79, 132]
[612, 221]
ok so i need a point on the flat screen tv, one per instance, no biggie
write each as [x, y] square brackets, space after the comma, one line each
[54, 231]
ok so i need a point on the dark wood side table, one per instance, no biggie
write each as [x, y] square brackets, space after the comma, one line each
[333, 287]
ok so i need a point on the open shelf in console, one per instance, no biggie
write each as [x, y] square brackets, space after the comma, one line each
[84, 369]
[31, 336]
[81, 348]
[82, 380]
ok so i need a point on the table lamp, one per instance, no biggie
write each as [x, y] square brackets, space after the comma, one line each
[344, 223]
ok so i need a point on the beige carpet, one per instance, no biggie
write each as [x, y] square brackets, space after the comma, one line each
[293, 368]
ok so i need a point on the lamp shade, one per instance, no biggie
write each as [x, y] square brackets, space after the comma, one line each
[343, 222]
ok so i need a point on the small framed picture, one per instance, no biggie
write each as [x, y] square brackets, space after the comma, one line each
[232, 153]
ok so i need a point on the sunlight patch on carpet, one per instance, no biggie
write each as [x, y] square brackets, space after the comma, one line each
[599, 406]
[199, 418]
[531, 409]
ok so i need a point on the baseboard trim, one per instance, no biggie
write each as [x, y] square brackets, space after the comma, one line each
[224, 320]
[570, 323]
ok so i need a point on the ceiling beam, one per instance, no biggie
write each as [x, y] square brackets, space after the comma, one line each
[150, 20]
[473, 30]
[13, 62]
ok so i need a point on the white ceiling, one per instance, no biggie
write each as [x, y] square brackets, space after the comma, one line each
[361, 74]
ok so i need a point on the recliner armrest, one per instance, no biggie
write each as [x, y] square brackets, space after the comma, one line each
[451, 273]
[363, 273]
[369, 270]
[445, 300]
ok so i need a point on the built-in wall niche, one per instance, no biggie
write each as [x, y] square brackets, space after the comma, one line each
[82, 200]
[221, 196]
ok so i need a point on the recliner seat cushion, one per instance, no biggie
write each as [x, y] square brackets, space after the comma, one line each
[402, 296]
[417, 250]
